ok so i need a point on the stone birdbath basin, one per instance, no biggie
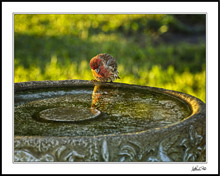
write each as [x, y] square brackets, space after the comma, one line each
[82, 121]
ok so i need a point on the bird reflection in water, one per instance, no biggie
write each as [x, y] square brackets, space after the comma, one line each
[103, 98]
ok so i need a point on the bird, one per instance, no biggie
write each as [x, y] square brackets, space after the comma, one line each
[104, 68]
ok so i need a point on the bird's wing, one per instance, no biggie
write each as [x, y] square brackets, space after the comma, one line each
[109, 60]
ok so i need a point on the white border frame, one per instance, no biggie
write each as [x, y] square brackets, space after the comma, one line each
[211, 8]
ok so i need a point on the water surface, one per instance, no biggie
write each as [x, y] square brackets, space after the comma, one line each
[93, 111]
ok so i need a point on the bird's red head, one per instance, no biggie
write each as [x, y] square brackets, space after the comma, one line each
[95, 62]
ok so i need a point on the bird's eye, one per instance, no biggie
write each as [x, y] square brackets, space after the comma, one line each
[97, 70]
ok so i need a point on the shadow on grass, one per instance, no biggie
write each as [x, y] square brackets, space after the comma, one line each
[32, 50]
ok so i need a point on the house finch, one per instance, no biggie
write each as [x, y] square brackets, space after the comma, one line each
[104, 68]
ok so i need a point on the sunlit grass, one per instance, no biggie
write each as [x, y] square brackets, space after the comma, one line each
[82, 24]
[187, 82]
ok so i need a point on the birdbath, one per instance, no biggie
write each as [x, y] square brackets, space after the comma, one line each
[84, 121]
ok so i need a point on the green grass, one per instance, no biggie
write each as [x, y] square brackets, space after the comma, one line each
[59, 47]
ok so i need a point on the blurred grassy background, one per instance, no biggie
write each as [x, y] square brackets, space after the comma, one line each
[158, 50]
